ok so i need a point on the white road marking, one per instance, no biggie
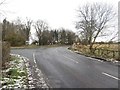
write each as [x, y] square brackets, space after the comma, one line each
[98, 60]
[94, 59]
[70, 59]
[67, 57]
[34, 58]
[89, 57]
[71, 51]
[110, 76]
[56, 49]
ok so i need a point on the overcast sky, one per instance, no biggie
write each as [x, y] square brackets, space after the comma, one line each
[58, 13]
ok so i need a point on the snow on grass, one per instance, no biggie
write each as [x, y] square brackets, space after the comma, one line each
[20, 74]
[16, 75]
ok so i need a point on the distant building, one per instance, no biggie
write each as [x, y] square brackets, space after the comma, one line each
[27, 42]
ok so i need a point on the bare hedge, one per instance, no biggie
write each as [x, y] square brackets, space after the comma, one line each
[5, 53]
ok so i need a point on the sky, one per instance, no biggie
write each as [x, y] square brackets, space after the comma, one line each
[57, 13]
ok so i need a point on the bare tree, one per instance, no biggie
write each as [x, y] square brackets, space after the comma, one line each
[2, 12]
[24, 28]
[1, 30]
[2, 2]
[28, 28]
[94, 20]
[40, 26]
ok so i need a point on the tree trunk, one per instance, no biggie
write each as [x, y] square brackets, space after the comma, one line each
[91, 48]
[39, 41]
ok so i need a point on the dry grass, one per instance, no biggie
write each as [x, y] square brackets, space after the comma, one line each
[101, 46]
[106, 46]
[101, 50]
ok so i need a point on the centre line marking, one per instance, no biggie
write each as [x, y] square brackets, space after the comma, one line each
[70, 59]
[110, 76]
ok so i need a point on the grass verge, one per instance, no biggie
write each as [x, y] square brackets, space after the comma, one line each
[35, 46]
[15, 76]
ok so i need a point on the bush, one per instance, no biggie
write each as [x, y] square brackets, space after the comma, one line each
[16, 40]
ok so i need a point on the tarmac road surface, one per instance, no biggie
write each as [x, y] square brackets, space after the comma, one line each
[66, 69]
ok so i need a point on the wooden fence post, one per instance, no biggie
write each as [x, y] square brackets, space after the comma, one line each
[5, 53]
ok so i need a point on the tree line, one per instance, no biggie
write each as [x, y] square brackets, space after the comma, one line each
[17, 33]
[94, 20]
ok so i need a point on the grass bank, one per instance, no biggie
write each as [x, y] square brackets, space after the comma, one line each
[15, 74]
[107, 52]
[36, 46]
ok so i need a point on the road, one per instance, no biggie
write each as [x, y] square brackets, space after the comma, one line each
[66, 69]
